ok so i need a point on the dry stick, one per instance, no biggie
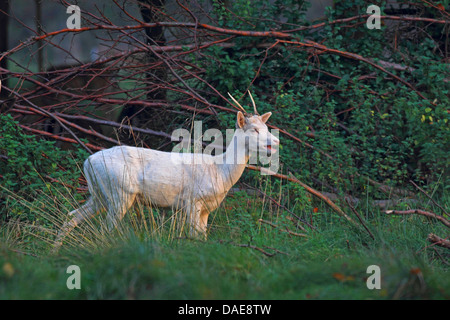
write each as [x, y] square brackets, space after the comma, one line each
[276, 250]
[428, 196]
[441, 257]
[438, 241]
[22, 252]
[364, 17]
[256, 248]
[282, 35]
[308, 189]
[432, 215]
[359, 217]
[101, 99]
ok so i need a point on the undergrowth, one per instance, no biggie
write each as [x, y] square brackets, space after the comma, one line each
[282, 243]
[149, 256]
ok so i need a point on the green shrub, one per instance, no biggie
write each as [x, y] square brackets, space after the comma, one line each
[32, 171]
[360, 122]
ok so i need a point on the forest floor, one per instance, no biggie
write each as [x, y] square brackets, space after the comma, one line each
[244, 257]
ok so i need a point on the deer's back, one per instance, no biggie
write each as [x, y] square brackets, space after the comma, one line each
[162, 178]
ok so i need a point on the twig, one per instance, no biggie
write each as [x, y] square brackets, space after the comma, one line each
[438, 241]
[78, 189]
[308, 189]
[359, 217]
[276, 250]
[24, 253]
[428, 196]
[316, 193]
[441, 257]
[255, 248]
[54, 118]
[421, 212]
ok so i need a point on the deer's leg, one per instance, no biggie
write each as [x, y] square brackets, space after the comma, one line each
[87, 211]
[197, 217]
[193, 218]
[118, 208]
[204, 213]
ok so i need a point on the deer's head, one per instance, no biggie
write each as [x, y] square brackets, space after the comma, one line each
[254, 128]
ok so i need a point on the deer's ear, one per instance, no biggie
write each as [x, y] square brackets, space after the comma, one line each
[266, 116]
[240, 123]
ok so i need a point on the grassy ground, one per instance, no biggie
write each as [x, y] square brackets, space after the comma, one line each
[242, 258]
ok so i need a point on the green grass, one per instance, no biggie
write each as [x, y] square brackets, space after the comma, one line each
[144, 262]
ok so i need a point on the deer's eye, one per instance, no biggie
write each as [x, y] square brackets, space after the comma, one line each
[256, 130]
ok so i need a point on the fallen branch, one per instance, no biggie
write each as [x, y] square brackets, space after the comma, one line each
[255, 248]
[438, 241]
[432, 215]
[358, 216]
[276, 250]
[326, 199]
[308, 189]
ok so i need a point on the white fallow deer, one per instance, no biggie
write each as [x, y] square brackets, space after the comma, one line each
[118, 176]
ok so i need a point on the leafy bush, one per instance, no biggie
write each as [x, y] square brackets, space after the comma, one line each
[32, 171]
[361, 122]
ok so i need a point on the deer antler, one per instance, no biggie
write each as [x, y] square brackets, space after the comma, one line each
[253, 101]
[237, 103]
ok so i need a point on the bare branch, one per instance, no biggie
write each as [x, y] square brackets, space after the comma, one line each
[432, 215]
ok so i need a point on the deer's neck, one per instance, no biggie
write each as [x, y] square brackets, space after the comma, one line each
[234, 161]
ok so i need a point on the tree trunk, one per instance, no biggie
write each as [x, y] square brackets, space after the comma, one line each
[155, 36]
[145, 116]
